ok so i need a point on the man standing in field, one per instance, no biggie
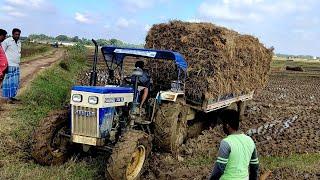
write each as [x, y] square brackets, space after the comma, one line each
[237, 157]
[12, 48]
[3, 57]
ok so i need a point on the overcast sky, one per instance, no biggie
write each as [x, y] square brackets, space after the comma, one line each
[291, 26]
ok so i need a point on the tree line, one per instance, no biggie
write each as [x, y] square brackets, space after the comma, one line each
[296, 56]
[84, 41]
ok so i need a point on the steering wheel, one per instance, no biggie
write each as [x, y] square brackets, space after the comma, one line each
[128, 80]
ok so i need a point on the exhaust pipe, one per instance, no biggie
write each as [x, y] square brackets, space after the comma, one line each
[93, 75]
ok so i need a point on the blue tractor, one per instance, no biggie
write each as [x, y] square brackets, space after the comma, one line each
[110, 118]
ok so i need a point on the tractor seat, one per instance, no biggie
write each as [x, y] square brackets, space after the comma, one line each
[103, 89]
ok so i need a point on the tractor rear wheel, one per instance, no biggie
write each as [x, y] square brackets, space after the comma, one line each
[170, 126]
[49, 146]
[129, 156]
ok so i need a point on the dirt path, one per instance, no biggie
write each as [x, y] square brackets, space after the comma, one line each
[31, 68]
[39, 56]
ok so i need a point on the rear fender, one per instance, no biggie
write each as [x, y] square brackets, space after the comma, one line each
[169, 96]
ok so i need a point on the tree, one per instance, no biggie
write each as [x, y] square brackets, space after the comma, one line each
[39, 37]
[75, 39]
[103, 42]
[62, 38]
[83, 41]
[113, 42]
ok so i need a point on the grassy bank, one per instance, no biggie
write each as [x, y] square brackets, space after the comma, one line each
[49, 91]
[300, 162]
[29, 50]
[304, 64]
[297, 162]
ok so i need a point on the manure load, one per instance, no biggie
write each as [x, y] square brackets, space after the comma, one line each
[221, 62]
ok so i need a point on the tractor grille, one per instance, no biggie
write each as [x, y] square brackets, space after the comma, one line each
[84, 121]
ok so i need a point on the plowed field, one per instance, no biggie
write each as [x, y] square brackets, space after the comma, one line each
[283, 120]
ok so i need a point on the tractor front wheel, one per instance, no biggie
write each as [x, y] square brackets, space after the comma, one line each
[170, 123]
[129, 156]
[49, 146]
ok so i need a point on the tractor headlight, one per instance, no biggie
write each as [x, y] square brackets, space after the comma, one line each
[77, 98]
[93, 100]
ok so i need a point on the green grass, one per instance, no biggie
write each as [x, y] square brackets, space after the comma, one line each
[49, 91]
[73, 169]
[200, 161]
[301, 162]
[276, 63]
[29, 50]
[298, 162]
[49, 53]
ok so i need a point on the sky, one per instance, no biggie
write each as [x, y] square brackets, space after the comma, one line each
[290, 26]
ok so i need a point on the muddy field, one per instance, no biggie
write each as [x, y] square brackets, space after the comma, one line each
[283, 119]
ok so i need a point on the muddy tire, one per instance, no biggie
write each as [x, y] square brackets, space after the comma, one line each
[50, 148]
[170, 126]
[129, 156]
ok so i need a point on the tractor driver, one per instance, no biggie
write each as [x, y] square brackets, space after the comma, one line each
[144, 83]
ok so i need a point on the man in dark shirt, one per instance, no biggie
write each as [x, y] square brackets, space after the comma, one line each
[144, 83]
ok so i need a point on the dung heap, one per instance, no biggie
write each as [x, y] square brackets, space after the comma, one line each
[221, 61]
